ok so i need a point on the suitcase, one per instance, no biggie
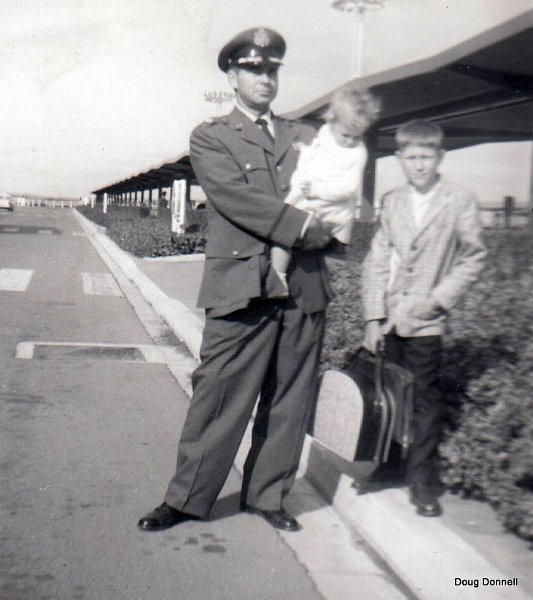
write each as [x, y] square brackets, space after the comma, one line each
[362, 408]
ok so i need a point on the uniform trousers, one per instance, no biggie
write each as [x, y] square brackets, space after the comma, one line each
[270, 349]
[421, 356]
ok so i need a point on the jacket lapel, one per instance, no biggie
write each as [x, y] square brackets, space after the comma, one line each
[405, 208]
[248, 130]
[436, 205]
[285, 137]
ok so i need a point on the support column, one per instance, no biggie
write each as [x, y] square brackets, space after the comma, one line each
[368, 208]
[530, 203]
[188, 193]
[154, 202]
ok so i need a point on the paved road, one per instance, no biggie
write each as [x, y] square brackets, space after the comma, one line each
[87, 443]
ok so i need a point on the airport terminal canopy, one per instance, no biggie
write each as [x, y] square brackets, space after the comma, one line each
[157, 177]
[479, 91]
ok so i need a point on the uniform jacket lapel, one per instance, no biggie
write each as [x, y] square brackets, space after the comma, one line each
[285, 134]
[249, 130]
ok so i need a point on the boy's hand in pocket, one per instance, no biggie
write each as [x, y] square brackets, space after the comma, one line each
[426, 309]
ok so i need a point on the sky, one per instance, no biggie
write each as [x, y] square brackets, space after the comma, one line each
[94, 91]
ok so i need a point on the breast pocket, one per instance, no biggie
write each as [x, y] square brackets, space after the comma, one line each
[258, 174]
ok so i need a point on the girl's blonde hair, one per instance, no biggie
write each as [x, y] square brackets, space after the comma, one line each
[354, 106]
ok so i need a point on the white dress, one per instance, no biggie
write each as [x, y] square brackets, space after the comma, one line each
[336, 174]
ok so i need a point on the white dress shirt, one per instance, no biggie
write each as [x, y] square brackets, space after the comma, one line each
[267, 116]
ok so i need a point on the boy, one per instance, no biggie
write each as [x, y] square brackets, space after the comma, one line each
[426, 253]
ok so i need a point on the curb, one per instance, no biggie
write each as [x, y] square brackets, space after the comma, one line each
[423, 556]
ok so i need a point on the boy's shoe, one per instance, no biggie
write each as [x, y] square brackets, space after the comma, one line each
[424, 497]
[381, 479]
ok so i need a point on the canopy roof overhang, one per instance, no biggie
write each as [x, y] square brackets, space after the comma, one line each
[155, 177]
[479, 91]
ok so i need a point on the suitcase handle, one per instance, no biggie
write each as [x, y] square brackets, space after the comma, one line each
[379, 356]
[380, 401]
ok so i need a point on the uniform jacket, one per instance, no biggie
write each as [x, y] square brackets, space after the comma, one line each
[245, 177]
[437, 260]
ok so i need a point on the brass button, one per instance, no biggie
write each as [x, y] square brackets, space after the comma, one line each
[279, 168]
[247, 166]
[235, 252]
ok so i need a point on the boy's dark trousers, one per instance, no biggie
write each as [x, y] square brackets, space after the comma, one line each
[421, 355]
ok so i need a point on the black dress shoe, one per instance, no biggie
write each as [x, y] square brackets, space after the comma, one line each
[280, 519]
[425, 500]
[163, 517]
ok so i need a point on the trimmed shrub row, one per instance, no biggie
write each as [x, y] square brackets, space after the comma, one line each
[135, 231]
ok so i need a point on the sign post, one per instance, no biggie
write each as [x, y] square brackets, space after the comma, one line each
[178, 206]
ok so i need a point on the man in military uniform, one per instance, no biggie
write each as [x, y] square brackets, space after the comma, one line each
[256, 341]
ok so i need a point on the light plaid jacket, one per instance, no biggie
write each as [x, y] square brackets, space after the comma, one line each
[436, 261]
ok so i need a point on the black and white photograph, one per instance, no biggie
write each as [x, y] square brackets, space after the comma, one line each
[265, 300]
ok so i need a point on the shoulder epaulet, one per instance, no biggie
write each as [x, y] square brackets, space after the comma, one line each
[213, 121]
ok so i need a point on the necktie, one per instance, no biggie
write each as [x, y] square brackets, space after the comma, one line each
[262, 124]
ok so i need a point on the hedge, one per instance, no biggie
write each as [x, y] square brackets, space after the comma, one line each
[487, 453]
[135, 231]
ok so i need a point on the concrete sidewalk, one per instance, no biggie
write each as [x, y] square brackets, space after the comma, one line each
[464, 554]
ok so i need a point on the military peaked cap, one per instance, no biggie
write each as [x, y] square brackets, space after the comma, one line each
[256, 46]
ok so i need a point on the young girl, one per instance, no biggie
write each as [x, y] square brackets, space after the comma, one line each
[328, 177]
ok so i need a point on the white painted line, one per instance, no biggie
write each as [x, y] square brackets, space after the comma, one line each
[100, 284]
[45, 231]
[11, 229]
[15, 280]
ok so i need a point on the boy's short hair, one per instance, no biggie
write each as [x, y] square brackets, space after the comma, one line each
[354, 104]
[420, 132]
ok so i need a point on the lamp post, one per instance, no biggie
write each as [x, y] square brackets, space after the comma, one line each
[218, 98]
[358, 8]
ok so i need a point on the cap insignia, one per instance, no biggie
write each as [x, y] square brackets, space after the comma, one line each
[261, 38]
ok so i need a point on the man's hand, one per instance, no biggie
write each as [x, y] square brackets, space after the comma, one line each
[316, 235]
[373, 336]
